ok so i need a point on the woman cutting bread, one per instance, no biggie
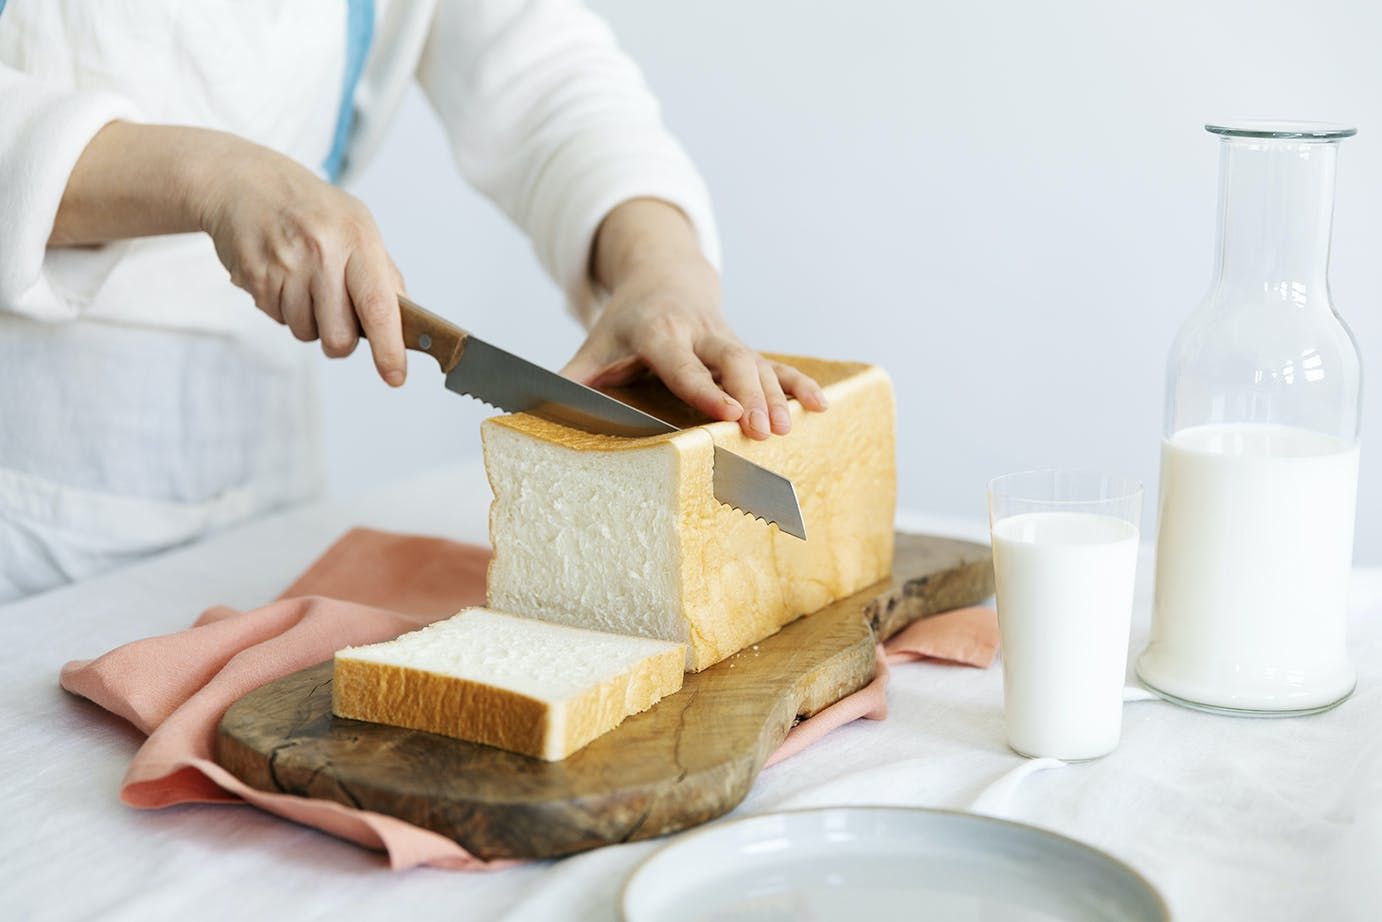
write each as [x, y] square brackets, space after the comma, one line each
[165, 170]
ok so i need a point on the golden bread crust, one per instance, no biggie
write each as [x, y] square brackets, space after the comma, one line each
[469, 710]
[603, 707]
[738, 579]
[428, 701]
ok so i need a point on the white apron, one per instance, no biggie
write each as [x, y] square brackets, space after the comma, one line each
[165, 407]
[136, 439]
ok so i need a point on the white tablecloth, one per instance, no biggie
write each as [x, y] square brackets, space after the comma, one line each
[1230, 818]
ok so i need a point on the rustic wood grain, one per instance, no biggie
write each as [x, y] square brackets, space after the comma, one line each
[687, 760]
[424, 331]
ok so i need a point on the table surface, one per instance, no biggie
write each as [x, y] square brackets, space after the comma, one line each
[1230, 818]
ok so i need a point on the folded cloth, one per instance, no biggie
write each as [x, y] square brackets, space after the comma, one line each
[176, 687]
[967, 636]
[869, 702]
[369, 586]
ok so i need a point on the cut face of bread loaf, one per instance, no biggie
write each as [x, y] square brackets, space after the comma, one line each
[524, 685]
[625, 535]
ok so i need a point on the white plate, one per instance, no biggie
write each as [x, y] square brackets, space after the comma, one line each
[880, 863]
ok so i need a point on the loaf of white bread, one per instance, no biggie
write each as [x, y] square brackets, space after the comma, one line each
[625, 534]
[541, 689]
[635, 571]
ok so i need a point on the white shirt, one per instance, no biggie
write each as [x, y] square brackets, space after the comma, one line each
[143, 399]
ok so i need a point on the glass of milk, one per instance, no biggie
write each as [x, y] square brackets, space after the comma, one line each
[1064, 558]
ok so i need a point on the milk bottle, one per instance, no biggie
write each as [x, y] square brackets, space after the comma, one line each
[1259, 465]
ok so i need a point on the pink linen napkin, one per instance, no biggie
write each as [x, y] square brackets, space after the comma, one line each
[966, 636]
[369, 586]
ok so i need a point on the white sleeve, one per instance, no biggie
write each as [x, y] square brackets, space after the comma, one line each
[551, 121]
[43, 131]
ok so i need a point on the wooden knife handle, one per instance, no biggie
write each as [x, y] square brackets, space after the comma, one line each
[424, 331]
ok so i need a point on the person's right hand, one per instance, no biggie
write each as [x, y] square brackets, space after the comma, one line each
[308, 252]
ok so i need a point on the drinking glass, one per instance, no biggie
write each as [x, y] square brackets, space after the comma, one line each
[1064, 559]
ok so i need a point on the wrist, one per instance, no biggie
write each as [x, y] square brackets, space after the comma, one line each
[644, 235]
[210, 168]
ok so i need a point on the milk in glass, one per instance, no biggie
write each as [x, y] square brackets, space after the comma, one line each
[1065, 591]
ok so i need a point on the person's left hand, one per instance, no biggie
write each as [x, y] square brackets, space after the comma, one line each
[664, 316]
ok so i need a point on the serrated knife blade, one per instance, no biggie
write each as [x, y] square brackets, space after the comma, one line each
[508, 382]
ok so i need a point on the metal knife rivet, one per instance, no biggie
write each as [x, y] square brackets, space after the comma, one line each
[425, 341]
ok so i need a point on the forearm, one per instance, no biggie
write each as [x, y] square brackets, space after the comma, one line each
[647, 235]
[138, 181]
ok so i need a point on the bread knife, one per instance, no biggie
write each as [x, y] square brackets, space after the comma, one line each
[501, 379]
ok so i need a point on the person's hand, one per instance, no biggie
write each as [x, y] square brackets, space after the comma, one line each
[664, 316]
[309, 253]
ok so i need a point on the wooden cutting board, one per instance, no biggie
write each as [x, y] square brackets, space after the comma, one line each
[687, 760]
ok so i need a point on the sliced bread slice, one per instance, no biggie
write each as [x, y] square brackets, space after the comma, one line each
[625, 534]
[528, 686]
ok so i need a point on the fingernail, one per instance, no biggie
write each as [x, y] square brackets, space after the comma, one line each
[758, 420]
[782, 420]
[395, 378]
[820, 398]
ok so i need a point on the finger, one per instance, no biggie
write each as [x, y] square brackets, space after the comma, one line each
[676, 363]
[801, 386]
[369, 282]
[625, 371]
[778, 415]
[588, 361]
[268, 297]
[594, 373]
[267, 291]
[295, 302]
[738, 370]
[336, 322]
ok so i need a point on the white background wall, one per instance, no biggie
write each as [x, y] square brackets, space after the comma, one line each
[1008, 205]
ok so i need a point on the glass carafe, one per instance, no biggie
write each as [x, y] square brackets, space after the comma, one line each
[1259, 464]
